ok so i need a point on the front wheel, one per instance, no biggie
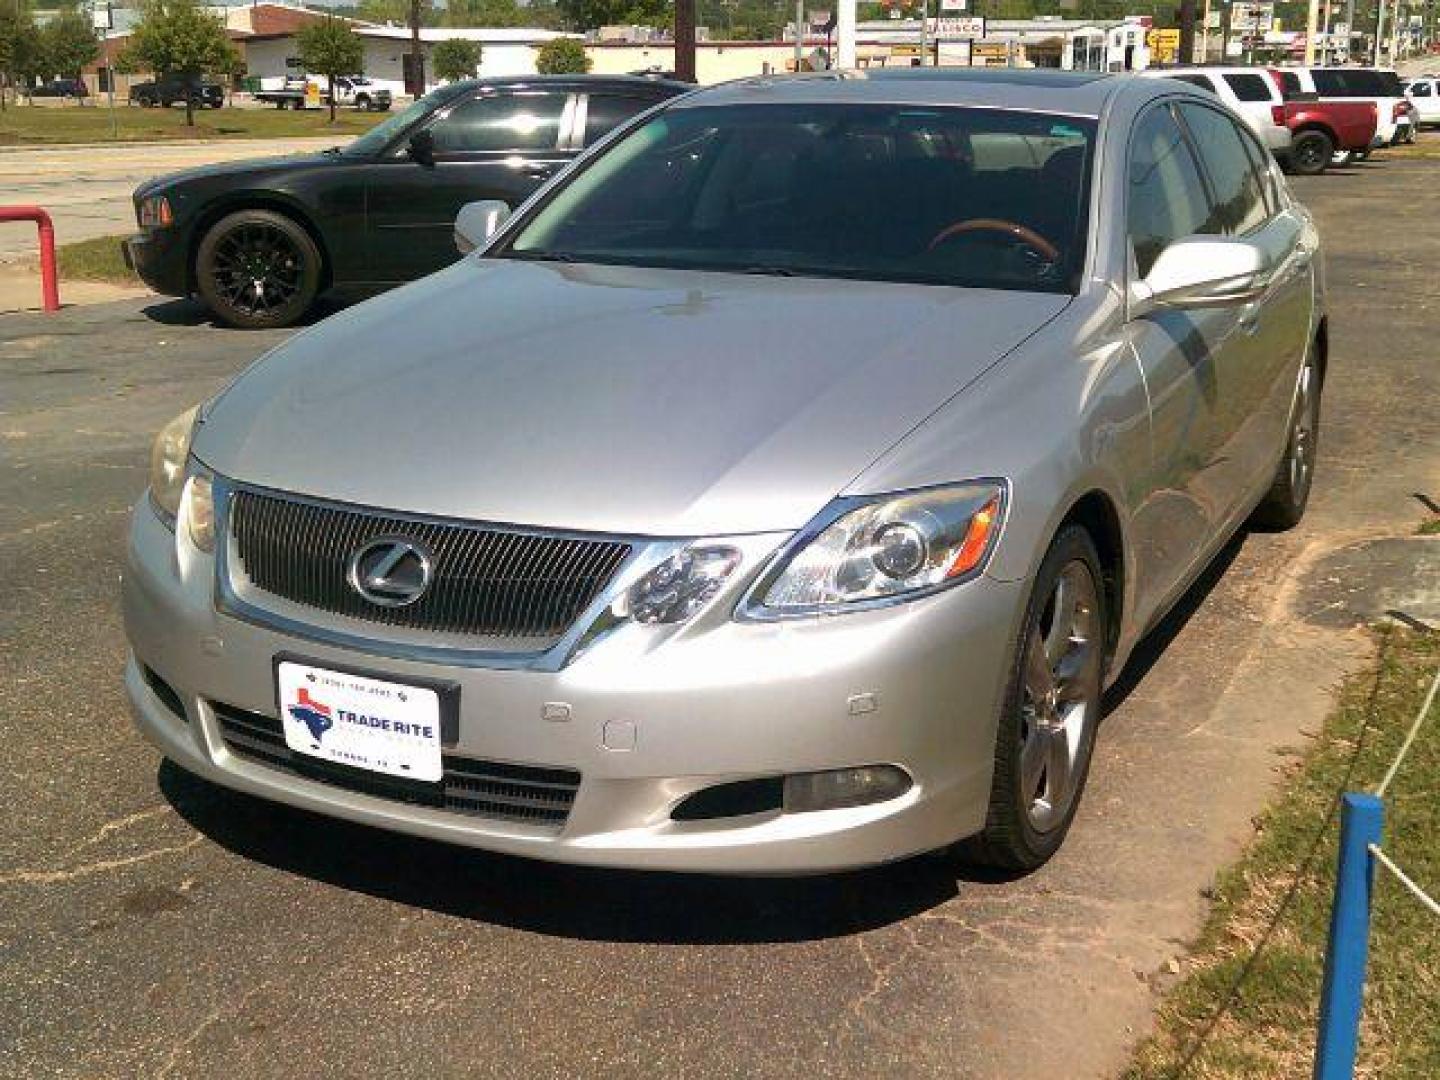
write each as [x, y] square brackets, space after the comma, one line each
[1284, 504]
[363, 103]
[1310, 152]
[1051, 709]
[258, 269]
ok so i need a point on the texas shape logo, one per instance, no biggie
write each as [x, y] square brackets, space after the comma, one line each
[313, 714]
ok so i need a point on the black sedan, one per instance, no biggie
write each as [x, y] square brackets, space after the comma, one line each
[259, 241]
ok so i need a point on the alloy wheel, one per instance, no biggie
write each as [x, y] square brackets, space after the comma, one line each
[1062, 655]
[258, 269]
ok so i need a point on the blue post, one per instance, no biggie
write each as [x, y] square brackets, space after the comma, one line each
[1362, 818]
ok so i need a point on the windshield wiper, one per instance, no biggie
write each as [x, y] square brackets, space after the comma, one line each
[543, 256]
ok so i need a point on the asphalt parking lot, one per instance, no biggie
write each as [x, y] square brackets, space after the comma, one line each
[151, 924]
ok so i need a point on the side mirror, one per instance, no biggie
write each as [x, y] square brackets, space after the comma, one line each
[477, 222]
[421, 148]
[1202, 271]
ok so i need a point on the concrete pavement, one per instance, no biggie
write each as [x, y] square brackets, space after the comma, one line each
[87, 188]
[151, 924]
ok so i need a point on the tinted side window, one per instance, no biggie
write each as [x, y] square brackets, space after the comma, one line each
[1290, 84]
[501, 122]
[1239, 199]
[1329, 83]
[1166, 196]
[1250, 87]
[1202, 81]
[1420, 89]
[608, 111]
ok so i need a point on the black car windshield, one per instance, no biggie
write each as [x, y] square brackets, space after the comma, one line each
[933, 195]
[383, 134]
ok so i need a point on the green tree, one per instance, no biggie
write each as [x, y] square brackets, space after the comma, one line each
[178, 37]
[562, 56]
[67, 43]
[20, 58]
[395, 11]
[456, 59]
[488, 13]
[590, 14]
[330, 47]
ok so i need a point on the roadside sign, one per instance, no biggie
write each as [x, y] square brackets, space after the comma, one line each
[972, 26]
[1252, 16]
[1164, 45]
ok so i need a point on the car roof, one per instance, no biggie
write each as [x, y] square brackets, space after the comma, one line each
[599, 82]
[1072, 93]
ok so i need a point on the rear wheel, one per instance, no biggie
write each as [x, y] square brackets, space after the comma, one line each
[1284, 504]
[363, 102]
[1310, 152]
[1051, 709]
[257, 268]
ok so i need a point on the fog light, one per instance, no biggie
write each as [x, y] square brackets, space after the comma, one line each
[835, 788]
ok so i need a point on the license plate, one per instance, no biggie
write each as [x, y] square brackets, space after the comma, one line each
[384, 727]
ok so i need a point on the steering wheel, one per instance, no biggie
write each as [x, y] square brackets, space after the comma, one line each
[1013, 229]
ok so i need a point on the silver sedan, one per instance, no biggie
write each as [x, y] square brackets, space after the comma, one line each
[775, 491]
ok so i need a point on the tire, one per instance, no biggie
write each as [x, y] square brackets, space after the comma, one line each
[1284, 504]
[145, 101]
[1031, 808]
[1310, 152]
[363, 102]
[256, 269]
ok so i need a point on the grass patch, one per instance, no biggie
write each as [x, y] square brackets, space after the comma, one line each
[1430, 528]
[1269, 1027]
[26, 125]
[95, 260]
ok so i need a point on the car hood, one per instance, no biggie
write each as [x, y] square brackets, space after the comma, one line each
[642, 401]
[255, 167]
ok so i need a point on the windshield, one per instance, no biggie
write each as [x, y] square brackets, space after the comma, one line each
[382, 134]
[932, 195]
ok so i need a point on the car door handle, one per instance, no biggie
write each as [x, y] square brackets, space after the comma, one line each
[539, 172]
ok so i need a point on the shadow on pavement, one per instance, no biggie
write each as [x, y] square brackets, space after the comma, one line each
[1153, 645]
[563, 901]
[182, 311]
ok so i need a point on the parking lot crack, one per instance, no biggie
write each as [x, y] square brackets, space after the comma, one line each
[100, 866]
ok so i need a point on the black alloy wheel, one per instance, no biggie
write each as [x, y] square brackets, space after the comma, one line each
[258, 269]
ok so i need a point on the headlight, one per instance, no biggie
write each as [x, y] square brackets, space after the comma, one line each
[155, 212]
[167, 465]
[680, 586]
[894, 546]
[200, 512]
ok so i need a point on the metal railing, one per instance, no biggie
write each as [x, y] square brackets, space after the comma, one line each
[49, 276]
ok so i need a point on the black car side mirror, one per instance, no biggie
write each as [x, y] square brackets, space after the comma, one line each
[422, 148]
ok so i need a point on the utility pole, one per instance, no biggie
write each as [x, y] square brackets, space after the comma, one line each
[685, 40]
[1204, 57]
[1312, 25]
[845, 34]
[1187, 31]
[417, 53]
[1379, 33]
[799, 35]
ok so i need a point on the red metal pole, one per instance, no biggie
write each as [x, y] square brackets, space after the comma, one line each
[49, 277]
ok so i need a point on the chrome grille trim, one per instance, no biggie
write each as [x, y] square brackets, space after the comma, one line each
[491, 582]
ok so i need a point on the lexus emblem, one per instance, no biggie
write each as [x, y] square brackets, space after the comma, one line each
[391, 571]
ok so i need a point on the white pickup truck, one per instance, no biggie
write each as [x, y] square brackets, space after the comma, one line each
[290, 92]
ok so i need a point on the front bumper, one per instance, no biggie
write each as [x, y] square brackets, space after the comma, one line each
[160, 258]
[647, 726]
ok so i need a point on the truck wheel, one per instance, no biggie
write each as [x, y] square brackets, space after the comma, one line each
[363, 102]
[257, 269]
[1310, 152]
[145, 101]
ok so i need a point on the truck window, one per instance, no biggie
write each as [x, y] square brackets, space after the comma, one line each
[1249, 87]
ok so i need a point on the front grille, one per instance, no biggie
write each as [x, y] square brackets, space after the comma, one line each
[487, 581]
[527, 794]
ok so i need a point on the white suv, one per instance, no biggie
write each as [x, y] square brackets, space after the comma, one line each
[1249, 92]
[1424, 94]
